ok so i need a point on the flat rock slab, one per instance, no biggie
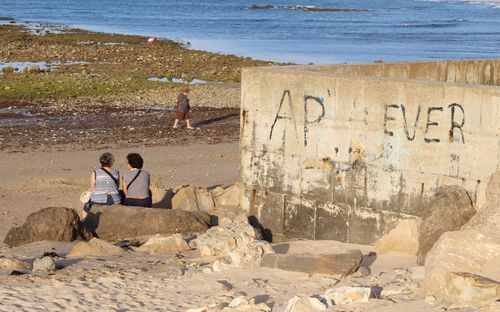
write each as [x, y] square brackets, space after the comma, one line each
[117, 222]
[52, 224]
[341, 263]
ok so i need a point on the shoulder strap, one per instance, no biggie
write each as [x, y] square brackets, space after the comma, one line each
[136, 175]
[111, 176]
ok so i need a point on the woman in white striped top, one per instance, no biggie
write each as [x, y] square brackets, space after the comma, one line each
[104, 184]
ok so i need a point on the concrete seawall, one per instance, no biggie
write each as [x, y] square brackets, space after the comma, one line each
[345, 152]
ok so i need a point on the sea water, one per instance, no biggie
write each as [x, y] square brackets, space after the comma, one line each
[393, 30]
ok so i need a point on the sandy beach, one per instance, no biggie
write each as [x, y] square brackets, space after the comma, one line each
[54, 125]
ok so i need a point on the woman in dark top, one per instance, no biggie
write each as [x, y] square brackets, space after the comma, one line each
[136, 183]
[182, 108]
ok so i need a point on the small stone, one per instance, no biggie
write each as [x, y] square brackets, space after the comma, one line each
[430, 300]
[347, 295]
[298, 304]
[46, 264]
[394, 289]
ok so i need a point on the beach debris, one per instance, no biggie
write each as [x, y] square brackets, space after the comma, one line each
[45, 264]
[118, 222]
[233, 243]
[164, 244]
[474, 250]
[95, 248]
[449, 209]
[12, 263]
[53, 223]
[403, 238]
[152, 41]
[344, 263]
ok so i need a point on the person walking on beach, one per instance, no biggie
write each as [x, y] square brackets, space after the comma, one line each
[182, 109]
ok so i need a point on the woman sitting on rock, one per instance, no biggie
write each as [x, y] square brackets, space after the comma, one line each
[136, 183]
[104, 183]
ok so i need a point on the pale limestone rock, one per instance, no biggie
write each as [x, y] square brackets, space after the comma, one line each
[46, 264]
[475, 249]
[204, 199]
[298, 304]
[395, 289]
[418, 273]
[230, 196]
[164, 244]
[470, 290]
[234, 243]
[95, 248]
[403, 238]
[192, 198]
[347, 295]
[430, 300]
[460, 251]
[15, 264]
[185, 199]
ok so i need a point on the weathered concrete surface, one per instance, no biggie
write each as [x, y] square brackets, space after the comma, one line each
[485, 72]
[345, 154]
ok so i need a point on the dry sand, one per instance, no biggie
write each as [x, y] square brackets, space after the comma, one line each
[140, 282]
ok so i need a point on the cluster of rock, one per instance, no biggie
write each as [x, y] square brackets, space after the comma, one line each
[233, 243]
[459, 246]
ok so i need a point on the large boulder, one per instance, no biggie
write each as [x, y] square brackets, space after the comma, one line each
[53, 224]
[450, 208]
[117, 222]
[474, 250]
[403, 238]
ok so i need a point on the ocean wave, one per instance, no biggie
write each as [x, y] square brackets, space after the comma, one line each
[493, 3]
[434, 24]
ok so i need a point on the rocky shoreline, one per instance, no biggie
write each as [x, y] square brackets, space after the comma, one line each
[68, 88]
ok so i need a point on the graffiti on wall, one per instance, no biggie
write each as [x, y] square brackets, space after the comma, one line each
[428, 116]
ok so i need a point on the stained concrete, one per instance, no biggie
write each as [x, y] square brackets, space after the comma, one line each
[344, 152]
